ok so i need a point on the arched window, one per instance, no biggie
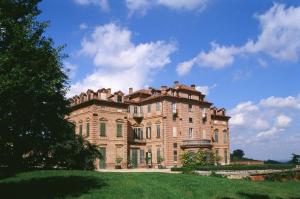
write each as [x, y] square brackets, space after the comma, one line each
[216, 136]
[225, 136]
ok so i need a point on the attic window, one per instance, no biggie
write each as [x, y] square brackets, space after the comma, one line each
[119, 98]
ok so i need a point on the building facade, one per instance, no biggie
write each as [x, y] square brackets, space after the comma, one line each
[151, 126]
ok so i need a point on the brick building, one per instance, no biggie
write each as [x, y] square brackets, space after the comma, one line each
[147, 124]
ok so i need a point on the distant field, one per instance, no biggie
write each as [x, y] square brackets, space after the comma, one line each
[84, 184]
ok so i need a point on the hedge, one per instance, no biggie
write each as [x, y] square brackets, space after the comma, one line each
[233, 167]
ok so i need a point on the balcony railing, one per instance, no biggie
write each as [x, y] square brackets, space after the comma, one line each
[139, 141]
[196, 143]
[138, 115]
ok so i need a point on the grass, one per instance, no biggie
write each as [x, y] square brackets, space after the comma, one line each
[85, 184]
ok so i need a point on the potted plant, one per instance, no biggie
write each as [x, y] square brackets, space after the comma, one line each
[160, 160]
[118, 163]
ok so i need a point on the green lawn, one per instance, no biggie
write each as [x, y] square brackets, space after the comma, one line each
[82, 184]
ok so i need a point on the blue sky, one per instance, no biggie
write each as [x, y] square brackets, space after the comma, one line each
[243, 54]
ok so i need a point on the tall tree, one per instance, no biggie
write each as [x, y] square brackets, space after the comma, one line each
[295, 159]
[237, 154]
[32, 88]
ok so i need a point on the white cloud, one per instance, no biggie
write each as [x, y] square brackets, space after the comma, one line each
[141, 6]
[279, 102]
[279, 38]
[184, 5]
[262, 128]
[185, 67]
[283, 121]
[118, 62]
[269, 132]
[83, 26]
[102, 3]
[206, 89]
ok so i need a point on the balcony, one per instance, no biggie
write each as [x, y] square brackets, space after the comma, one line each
[139, 141]
[138, 115]
[196, 143]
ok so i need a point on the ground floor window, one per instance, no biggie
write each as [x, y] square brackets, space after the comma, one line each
[225, 156]
[175, 152]
[142, 156]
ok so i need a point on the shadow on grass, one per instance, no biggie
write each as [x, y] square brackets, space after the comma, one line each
[50, 187]
[257, 196]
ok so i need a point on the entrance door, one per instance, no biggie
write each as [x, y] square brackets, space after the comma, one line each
[102, 163]
[134, 158]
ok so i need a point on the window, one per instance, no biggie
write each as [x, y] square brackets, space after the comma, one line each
[158, 131]
[158, 156]
[190, 96]
[190, 120]
[175, 152]
[203, 111]
[142, 156]
[190, 107]
[102, 129]
[174, 132]
[174, 118]
[119, 98]
[88, 129]
[148, 132]
[149, 108]
[138, 133]
[225, 156]
[225, 137]
[216, 136]
[157, 106]
[174, 107]
[119, 130]
[80, 129]
[190, 132]
[135, 110]
[204, 134]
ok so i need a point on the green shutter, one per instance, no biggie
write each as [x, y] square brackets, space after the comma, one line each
[102, 129]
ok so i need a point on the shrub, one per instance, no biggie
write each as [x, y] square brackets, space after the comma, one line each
[202, 157]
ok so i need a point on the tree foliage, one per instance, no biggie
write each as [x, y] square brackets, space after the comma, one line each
[32, 89]
[295, 159]
[237, 154]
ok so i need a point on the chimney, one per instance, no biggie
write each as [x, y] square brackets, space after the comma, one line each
[193, 86]
[163, 89]
[108, 90]
[176, 82]
[130, 90]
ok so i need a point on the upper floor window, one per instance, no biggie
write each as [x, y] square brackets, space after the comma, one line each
[190, 96]
[216, 136]
[203, 112]
[225, 136]
[174, 132]
[190, 107]
[138, 133]
[135, 109]
[190, 132]
[119, 130]
[157, 106]
[158, 131]
[149, 108]
[174, 107]
[148, 132]
[190, 120]
[102, 129]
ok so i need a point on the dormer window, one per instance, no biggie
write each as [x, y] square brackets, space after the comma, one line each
[119, 98]
[190, 96]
